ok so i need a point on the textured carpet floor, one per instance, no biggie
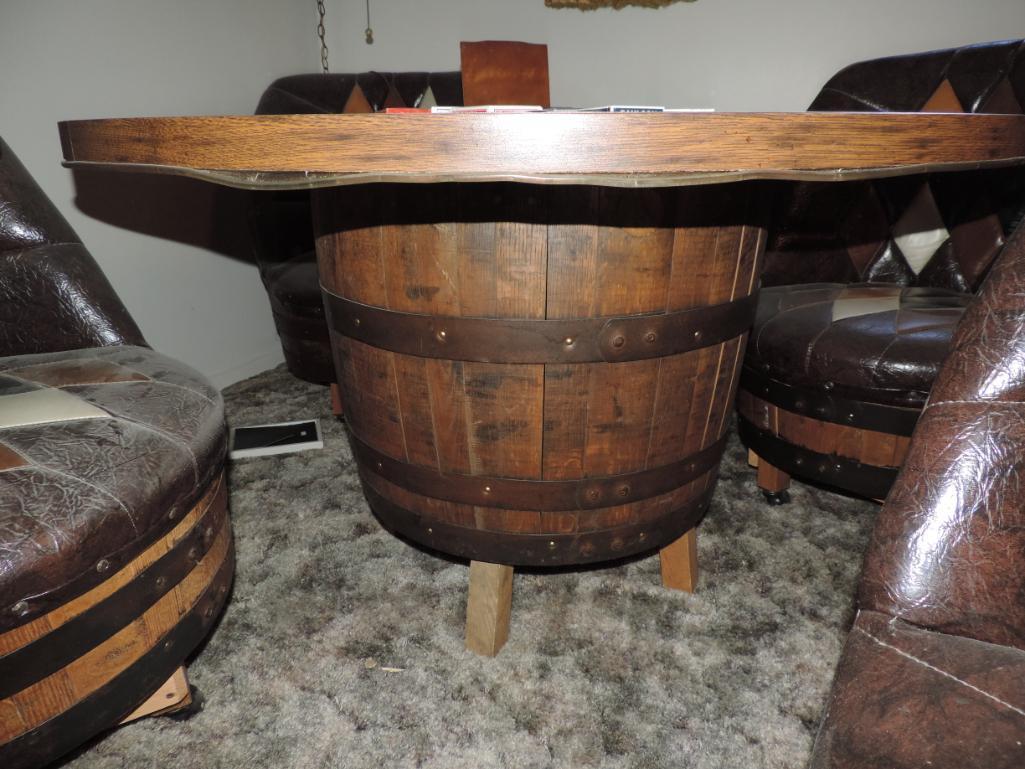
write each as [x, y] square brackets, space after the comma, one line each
[343, 647]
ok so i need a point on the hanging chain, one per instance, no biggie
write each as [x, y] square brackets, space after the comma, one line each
[320, 34]
[369, 32]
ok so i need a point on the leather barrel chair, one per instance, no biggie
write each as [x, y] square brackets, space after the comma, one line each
[864, 282]
[116, 553]
[933, 671]
[281, 223]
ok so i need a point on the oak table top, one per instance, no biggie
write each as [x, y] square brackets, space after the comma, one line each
[621, 150]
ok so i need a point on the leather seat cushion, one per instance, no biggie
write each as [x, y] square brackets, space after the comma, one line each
[97, 448]
[908, 697]
[294, 286]
[873, 342]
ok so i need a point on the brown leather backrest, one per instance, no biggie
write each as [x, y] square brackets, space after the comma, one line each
[866, 231]
[948, 549]
[53, 295]
[505, 72]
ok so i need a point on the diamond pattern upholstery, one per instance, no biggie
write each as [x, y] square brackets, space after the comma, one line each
[941, 230]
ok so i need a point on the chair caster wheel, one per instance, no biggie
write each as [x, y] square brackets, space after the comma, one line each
[186, 712]
[776, 498]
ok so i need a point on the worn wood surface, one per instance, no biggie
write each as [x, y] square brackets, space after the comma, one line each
[870, 447]
[509, 251]
[303, 151]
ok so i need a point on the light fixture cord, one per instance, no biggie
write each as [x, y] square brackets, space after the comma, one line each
[320, 33]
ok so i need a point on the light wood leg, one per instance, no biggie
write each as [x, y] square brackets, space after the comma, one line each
[773, 482]
[680, 563]
[487, 607]
[336, 400]
[173, 695]
[752, 458]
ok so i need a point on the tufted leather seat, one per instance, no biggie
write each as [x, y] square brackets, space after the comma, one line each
[933, 671]
[834, 378]
[115, 545]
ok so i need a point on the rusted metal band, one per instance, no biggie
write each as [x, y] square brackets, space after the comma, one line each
[109, 704]
[823, 405]
[563, 549]
[829, 469]
[76, 637]
[545, 496]
[503, 340]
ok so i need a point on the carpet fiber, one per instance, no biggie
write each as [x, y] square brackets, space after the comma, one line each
[343, 647]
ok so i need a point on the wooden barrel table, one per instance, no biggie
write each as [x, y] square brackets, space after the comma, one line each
[537, 320]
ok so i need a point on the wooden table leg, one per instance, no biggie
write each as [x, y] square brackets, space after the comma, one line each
[487, 607]
[173, 695]
[336, 400]
[773, 482]
[680, 562]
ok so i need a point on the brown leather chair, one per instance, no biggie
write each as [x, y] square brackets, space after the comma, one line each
[115, 546]
[933, 671]
[864, 282]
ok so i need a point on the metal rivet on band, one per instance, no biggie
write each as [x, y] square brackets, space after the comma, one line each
[593, 494]
[487, 489]
[623, 490]
[568, 340]
[168, 644]
[194, 554]
[697, 334]
[20, 608]
[380, 465]
[618, 341]
[650, 337]
[430, 530]
[161, 581]
[355, 321]
[102, 565]
[642, 536]
[442, 335]
[551, 544]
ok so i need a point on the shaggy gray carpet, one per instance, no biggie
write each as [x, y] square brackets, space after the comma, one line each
[343, 647]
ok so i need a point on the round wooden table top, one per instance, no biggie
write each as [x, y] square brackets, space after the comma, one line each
[622, 149]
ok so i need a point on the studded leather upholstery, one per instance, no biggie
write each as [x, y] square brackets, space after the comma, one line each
[870, 342]
[282, 223]
[97, 448]
[933, 673]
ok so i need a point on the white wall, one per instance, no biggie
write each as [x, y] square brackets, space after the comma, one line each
[63, 59]
[727, 54]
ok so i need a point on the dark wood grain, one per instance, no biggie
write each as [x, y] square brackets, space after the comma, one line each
[302, 151]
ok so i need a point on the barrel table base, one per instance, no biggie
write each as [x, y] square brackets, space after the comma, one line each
[538, 376]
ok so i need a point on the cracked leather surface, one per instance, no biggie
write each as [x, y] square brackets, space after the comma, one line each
[944, 574]
[88, 490]
[801, 337]
[53, 295]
